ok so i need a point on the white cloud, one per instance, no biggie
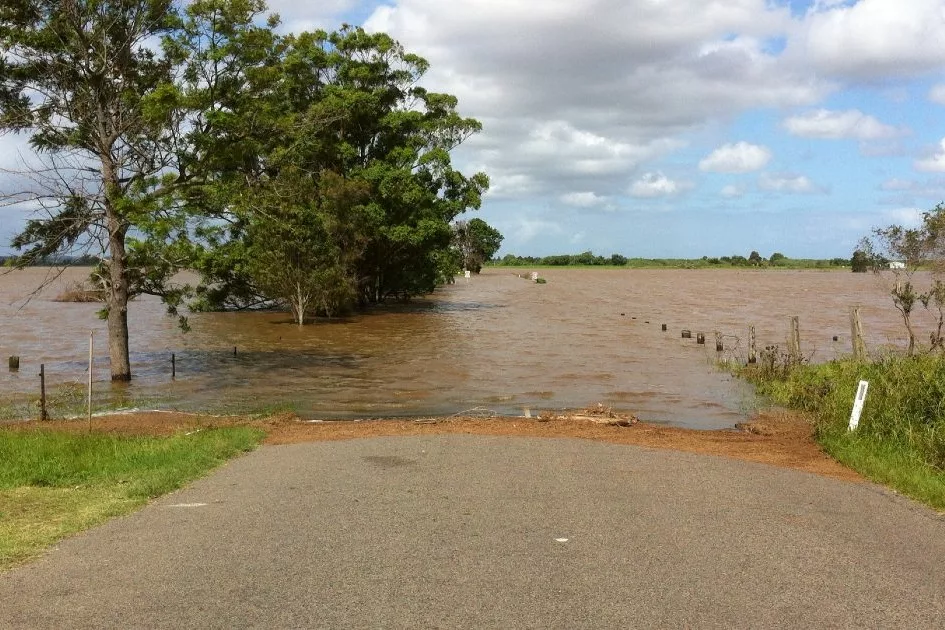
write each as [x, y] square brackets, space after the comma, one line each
[582, 151]
[506, 185]
[795, 184]
[731, 192]
[896, 184]
[906, 217]
[580, 94]
[583, 199]
[871, 39]
[655, 185]
[526, 229]
[937, 94]
[833, 125]
[740, 157]
[935, 162]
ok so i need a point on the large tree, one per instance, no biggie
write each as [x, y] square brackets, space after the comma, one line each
[349, 103]
[117, 98]
[78, 77]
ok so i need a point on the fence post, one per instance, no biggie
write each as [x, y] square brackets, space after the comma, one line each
[91, 348]
[752, 353]
[43, 416]
[856, 334]
[794, 342]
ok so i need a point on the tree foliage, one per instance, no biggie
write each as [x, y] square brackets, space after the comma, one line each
[477, 242]
[198, 136]
[348, 103]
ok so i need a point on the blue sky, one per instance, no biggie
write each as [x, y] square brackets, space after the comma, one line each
[682, 128]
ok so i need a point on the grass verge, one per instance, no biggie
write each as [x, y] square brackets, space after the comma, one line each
[900, 441]
[53, 484]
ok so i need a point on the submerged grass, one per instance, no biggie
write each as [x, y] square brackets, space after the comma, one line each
[900, 440]
[69, 400]
[53, 484]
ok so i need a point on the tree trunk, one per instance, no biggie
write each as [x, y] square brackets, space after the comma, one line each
[911, 332]
[300, 304]
[118, 307]
[118, 289]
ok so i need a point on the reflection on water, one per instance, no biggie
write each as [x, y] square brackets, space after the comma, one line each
[497, 342]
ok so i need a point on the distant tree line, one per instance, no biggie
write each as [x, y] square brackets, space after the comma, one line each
[85, 260]
[588, 259]
[584, 259]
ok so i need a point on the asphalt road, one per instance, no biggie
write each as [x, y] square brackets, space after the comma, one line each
[483, 532]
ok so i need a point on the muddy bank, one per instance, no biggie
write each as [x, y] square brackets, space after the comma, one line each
[774, 437]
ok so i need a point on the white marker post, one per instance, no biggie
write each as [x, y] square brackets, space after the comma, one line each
[858, 404]
[91, 346]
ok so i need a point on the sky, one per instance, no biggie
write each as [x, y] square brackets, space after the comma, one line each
[679, 128]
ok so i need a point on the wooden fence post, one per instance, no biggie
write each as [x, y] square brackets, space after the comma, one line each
[752, 354]
[856, 334]
[794, 342]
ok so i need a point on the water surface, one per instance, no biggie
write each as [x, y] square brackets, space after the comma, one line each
[495, 343]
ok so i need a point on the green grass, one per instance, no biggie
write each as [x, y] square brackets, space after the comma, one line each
[900, 441]
[53, 484]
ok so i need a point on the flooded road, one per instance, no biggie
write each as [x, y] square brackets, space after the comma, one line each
[497, 342]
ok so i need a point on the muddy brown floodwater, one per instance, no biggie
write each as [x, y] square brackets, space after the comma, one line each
[497, 343]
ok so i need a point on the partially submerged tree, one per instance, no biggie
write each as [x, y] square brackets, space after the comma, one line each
[477, 242]
[83, 80]
[301, 251]
[349, 103]
[914, 249]
[122, 99]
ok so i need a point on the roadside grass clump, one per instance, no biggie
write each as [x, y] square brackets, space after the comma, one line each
[53, 484]
[900, 440]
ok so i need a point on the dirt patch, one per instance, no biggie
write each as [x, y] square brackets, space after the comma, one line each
[775, 437]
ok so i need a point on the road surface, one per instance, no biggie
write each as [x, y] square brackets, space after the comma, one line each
[453, 531]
